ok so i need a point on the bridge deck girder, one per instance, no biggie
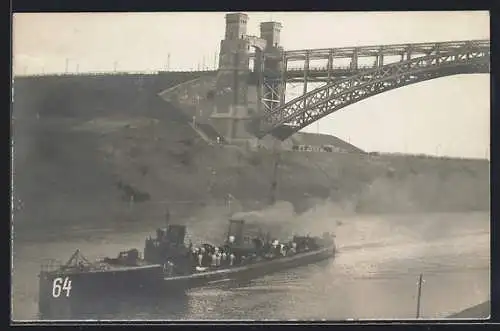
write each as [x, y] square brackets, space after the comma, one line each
[385, 50]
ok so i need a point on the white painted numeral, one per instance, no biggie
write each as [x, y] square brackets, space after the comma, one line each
[60, 285]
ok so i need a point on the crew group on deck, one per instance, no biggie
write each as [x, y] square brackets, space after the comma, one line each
[208, 257]
[239, 248]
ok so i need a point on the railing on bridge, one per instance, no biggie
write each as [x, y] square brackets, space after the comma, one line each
[377, 50]
[325, 68]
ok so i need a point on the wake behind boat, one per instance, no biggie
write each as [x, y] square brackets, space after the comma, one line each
[169, 265]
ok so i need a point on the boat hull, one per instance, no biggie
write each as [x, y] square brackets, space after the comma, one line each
[90, 286]
[246, 272]
[62, 291]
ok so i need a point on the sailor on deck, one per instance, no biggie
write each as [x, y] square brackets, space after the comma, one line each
[282, 250]
[275, 247]
[218, 257]
[168, 268]
[200, 258]
[232, 257]
[214, 260]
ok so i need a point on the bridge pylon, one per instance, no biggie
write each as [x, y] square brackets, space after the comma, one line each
[230, 100]
[273, 84]
[244, 94]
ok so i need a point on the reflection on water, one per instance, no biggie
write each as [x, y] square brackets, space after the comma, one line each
[123, 307]
[373, 276]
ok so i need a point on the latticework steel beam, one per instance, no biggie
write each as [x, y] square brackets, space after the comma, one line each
[272, 90]
[271, 96]
[308, 108]
[385, 50]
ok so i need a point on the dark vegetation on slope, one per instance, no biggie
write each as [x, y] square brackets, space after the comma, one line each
[87, 149]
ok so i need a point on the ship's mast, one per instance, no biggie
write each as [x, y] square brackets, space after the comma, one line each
[274, 179]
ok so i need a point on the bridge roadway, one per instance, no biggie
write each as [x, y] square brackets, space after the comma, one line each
[410, 50]
[330, 72]
[293, 75]
[377, 50]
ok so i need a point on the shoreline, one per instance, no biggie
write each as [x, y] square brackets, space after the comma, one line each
[480, 311]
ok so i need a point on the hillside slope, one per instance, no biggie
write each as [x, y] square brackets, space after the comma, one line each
[114, 157]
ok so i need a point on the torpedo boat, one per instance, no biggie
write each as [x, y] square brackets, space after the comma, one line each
[170, 265]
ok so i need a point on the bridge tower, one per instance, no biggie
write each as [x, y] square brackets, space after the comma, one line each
[273, 84]
[240, 95]
[231, 87]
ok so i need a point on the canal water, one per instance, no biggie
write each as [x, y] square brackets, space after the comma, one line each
[374, 275]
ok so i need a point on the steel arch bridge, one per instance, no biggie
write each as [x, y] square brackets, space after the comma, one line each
[290, 117]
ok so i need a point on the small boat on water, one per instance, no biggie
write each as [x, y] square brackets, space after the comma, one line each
[169, 265]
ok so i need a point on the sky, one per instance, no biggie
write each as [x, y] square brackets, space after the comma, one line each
[446, 116]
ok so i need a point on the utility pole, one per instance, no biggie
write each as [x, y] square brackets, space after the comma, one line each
[66, 67]
[419, 294]
[168, 62]
[203, 65]
[115, 64]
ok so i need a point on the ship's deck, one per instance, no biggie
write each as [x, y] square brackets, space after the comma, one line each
[236, 269]
[106, 268]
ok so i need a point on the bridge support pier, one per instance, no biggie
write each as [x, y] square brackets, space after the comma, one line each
[239, 101]
[230, 101]
[233, 124]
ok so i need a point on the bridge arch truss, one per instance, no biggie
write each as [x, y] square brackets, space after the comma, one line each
[302, 111]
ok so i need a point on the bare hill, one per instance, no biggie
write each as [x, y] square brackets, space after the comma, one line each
[83, 155]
